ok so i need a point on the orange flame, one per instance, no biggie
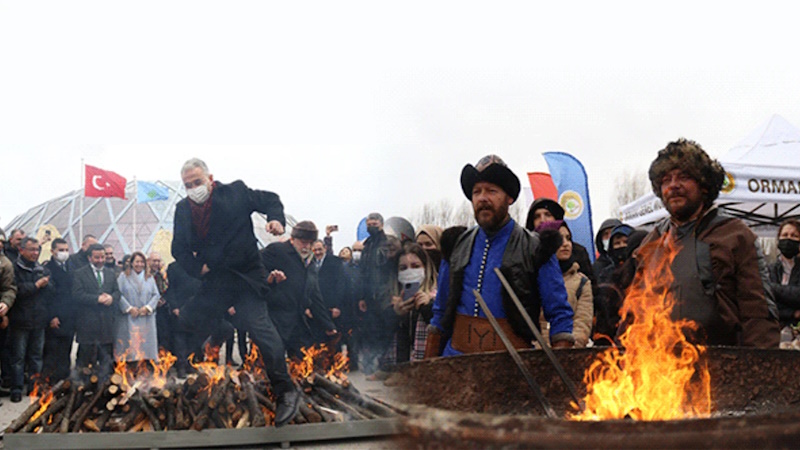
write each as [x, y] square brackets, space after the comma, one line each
[146, 372]
[44, 401]
[320, 359]
[659, 376]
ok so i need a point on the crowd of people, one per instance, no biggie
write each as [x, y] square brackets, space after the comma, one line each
[389, 299]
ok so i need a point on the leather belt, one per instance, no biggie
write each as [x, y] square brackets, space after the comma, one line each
[476, 335]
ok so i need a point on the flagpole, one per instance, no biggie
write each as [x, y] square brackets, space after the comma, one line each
[135, 200]
[79, 240]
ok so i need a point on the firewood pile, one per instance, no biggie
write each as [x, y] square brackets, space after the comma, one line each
[216, 397]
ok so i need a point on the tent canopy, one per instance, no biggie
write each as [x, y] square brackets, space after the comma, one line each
[762, 183]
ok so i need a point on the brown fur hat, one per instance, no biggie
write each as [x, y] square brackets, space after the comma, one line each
[692, 160]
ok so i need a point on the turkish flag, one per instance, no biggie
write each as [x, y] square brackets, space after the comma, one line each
[103, 183]
[542, 185]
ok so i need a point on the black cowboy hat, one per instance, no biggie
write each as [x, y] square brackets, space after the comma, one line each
[493, 170]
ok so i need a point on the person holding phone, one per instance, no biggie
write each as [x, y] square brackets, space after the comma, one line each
[416, 284]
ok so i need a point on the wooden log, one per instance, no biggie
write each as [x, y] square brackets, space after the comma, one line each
[244, 420]
[351, 396]
[264, 400]
[308, 412]
[114, 389]
[138, 426]
[238, 413]
[23, 418]
[218, 422]
[103, 419]
[64, 425]
[80, 416]
[116, 379]
[55, 422]
[91, 425]
[53, 408]
[169, 405]
[229, 403]
[128, 420]
[257, 418]
[326, 416]
[330, 399]
[148, 411]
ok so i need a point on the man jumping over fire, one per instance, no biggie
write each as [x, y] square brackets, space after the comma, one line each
[214, 242]
[717, 279]
[527, 260]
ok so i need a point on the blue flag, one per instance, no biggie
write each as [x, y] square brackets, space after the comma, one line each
[148, 192]
[573, 195]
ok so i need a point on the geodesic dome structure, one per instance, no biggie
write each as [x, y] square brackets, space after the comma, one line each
[123, 223]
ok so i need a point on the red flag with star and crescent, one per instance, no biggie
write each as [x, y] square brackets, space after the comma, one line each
[103, 183]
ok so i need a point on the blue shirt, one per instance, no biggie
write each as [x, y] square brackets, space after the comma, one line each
[487, 253]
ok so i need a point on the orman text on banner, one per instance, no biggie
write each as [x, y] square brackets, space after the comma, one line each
[570, 179]
[103, 183]
[150, 192]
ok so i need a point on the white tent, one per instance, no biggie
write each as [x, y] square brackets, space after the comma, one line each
[762, 184]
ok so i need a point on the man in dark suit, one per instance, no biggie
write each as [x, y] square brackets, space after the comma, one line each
[95, 289]
[214, 241]
[61, 315]
[333, 285]
[181, 289]
[295, 302]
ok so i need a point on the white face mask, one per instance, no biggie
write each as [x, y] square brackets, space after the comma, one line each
[356, 256]
[411, 276]
[605, 244]
[62, 256]
[199, 194]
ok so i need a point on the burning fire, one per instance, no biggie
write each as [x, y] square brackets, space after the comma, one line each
[659, 376]
[334, 364]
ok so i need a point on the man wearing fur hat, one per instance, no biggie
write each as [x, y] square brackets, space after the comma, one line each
[527, 260]
[718, 282]
[214, 242]
[295, 303]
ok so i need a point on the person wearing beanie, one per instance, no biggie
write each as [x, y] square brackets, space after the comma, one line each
[295, 302]
[527, 260]
[601, 243]
[717, 269]
[544, 209]
[214, 240]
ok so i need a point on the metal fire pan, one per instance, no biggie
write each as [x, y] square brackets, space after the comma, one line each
[480, 401]
[215, 438]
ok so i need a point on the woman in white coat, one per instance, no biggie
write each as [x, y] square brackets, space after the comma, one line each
[136, 337]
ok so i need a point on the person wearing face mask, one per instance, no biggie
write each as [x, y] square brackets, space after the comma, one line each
[376, 319]
[295, 302]
[214, 241]
[579, 288]
[617, 251]
[415, 271]
[136, 331]
[61, 314]
[428, 237]
[601, 242]
[784, 274]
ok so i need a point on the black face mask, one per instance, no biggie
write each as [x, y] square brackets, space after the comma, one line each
[372, 230]
[619, 255]
[789, 247]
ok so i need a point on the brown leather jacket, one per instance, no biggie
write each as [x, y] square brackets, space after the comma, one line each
[735, 280]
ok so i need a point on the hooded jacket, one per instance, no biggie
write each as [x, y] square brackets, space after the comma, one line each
[604, 259]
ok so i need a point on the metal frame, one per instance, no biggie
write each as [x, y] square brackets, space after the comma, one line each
[283, 436]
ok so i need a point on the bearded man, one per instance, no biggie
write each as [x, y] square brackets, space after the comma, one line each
[718, 279]
[527, 260]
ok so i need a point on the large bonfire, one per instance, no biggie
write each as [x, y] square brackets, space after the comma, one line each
[658, 375]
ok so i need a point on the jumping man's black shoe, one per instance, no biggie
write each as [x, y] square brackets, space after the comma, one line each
[287, 407]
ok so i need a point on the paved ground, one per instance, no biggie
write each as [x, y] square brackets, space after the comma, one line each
[9, 411]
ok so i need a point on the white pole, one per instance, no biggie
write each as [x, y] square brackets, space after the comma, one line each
[83, 194]
[135, 199]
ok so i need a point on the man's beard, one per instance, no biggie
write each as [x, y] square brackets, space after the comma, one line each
[493, 222]
[684, 212]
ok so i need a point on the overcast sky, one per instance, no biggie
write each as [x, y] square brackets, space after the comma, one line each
[348, 107]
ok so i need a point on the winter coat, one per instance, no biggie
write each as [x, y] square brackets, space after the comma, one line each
[95, 324]
[230, 246]
[288, 300]
[579, 296]
[136, 337]
[8, 286]
[30, 309]
[182, 287]
[61, 304]
[603, 259]
[728, 262]
[787, 296]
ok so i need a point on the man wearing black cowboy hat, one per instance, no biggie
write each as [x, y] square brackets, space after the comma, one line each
[527, 261]
[548, 210]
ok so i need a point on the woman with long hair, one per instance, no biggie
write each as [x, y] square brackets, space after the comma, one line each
[413, 301]
[784, 274]
[136, 337]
